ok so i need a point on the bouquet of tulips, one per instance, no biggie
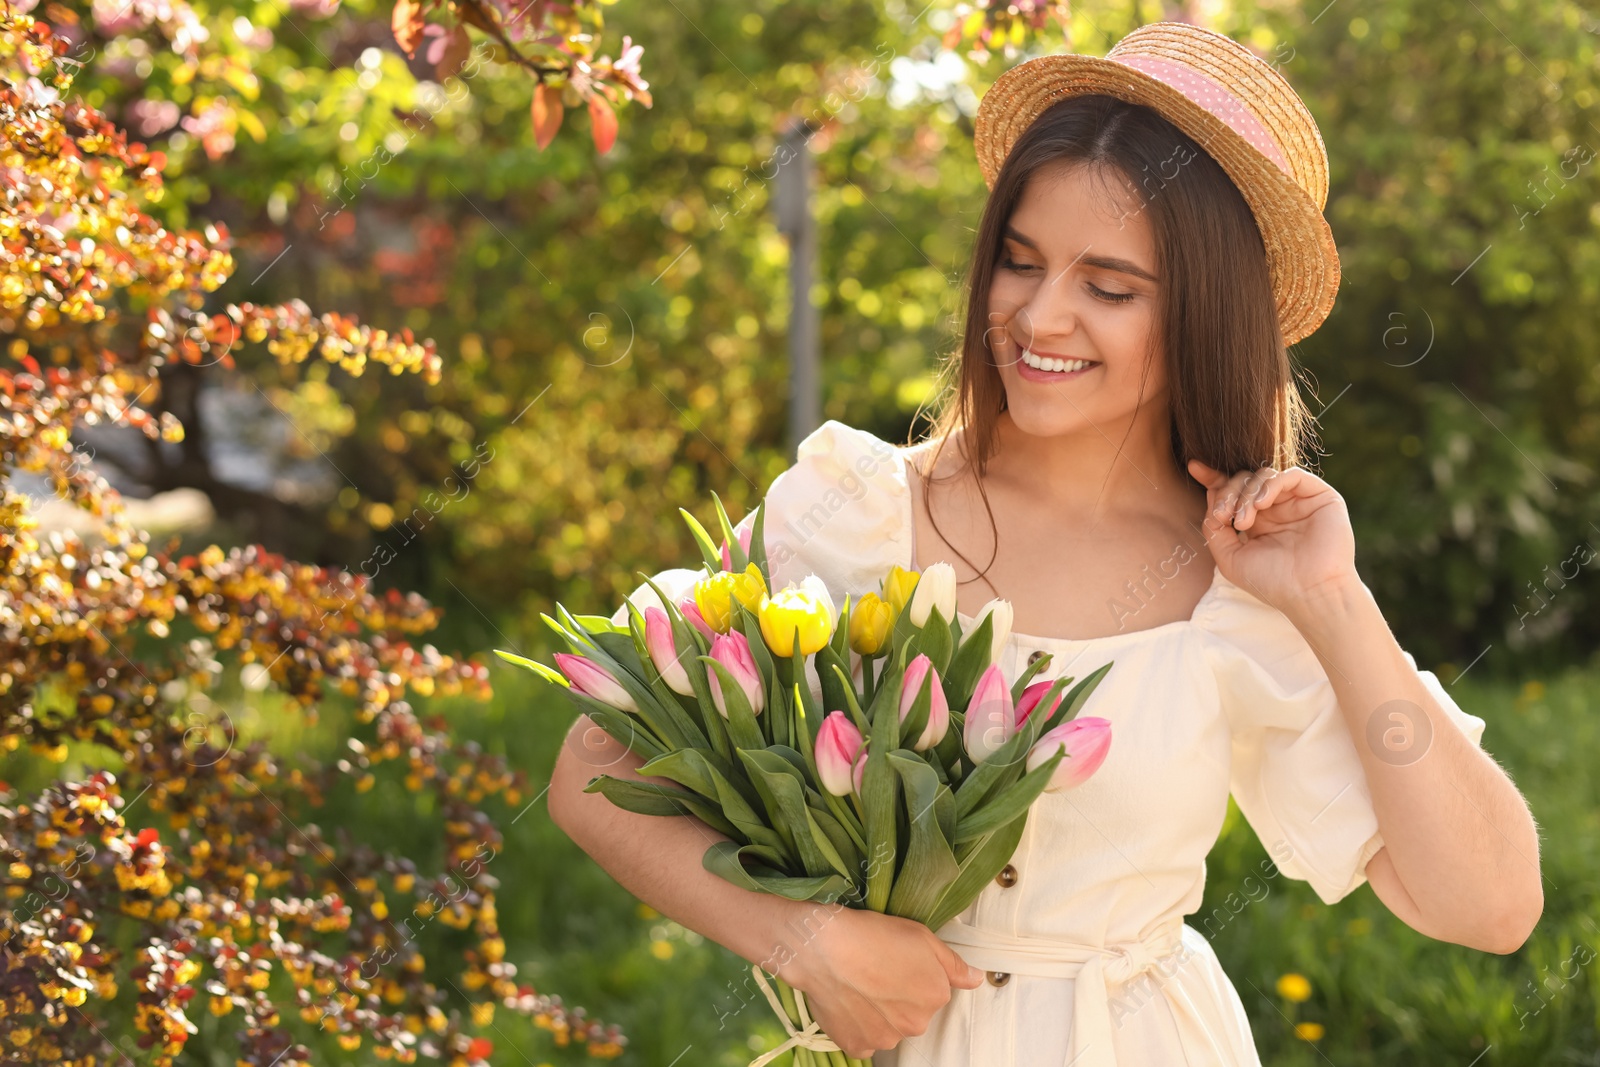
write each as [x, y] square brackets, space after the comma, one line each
[904, 796]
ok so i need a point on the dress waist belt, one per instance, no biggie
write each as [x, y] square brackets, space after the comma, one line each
[1093, 967]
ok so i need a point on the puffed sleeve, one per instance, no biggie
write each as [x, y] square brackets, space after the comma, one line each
[841, 512]
[1295, 772]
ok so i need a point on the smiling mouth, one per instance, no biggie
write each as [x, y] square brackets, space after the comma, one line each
[1058, 366]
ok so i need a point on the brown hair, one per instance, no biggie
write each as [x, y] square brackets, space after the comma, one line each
[1233, 397]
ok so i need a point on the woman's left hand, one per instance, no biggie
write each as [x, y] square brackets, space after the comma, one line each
[1284, 536]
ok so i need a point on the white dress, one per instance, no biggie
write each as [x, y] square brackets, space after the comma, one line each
[1090, 962]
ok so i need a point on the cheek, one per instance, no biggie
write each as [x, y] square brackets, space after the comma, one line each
[1007, 293]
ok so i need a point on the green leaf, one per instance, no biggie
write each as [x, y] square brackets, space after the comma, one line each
[849, 690]
[652, 798]
[935, 641]
[930, 864]
[741, 720]
[1026, 677]
[548, 673]
[1010, 802]
[1073, 702]
[978, 868]
[785, 797]
[971, 660]
[624, 728]
[758, 544]
[879, 790]
[698, 769]
[708, 548]
[736, 553]
[724, 859]
[846, 838]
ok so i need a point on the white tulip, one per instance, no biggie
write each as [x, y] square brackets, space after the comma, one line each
[1002, 612]
[814, 585]
[936, 588]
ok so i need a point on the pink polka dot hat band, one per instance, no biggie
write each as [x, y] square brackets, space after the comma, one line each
[1236, 106]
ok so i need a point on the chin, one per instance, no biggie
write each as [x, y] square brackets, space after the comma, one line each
[1049, 418]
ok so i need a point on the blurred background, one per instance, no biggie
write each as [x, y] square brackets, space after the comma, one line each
[610, 318]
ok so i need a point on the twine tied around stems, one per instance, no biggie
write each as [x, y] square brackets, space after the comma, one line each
[810, 1036]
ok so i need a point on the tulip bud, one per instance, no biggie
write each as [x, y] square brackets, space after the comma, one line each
[691, 614]
[1000, 628]
[935, 589]
[1086, 742]
[860, 772]
[593, 680]
[807, 610]
[838, 748]
[938, 707]
[663, 653]
[991, 716]
[749, 587]
[871, 622]
[1031, 697]
[714, 597]
[898, 586]
[733, 652]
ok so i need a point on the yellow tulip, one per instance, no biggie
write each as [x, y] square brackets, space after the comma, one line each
[750, 587]
[791, 610]
[870, 624]
[714, 596]
[898, 587]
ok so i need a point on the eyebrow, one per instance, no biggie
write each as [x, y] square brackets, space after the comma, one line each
[1122, 266]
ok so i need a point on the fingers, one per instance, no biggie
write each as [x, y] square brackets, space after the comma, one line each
[960, 972]
[1254, 496]
[1235, 500]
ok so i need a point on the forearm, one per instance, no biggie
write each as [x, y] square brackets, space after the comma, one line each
[1458, 833]
[658, 858]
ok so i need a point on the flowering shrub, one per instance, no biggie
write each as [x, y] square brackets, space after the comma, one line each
[215, 893]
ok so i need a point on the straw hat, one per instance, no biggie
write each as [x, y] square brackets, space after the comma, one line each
[1235, 106]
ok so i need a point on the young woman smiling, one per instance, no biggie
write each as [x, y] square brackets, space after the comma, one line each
[1121, 441]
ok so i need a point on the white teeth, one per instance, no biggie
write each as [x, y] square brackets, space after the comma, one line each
[1058, 365]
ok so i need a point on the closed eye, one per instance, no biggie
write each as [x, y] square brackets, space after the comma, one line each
[1112, 298]
[1108, 297]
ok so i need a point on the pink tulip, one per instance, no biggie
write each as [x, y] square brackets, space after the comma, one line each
[1031, 697]
[663, 653]
[1086, 741]
[744, 542]
[838, 747]
[991, 716]
[860, 772]
[733, 652]
[691, 614]
[593, 680]
[938, 706]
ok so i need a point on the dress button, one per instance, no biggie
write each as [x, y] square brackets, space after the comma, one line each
[1034, 656]
[1007, 876]
[998, 978]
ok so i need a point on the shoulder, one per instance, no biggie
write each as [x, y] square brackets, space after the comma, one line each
[840, 511]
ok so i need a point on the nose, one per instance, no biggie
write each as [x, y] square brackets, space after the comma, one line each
[1047, 320]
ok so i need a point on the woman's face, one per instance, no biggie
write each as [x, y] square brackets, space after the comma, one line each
[1076, 280]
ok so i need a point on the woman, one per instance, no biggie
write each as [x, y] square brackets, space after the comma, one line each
[1122, 444]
